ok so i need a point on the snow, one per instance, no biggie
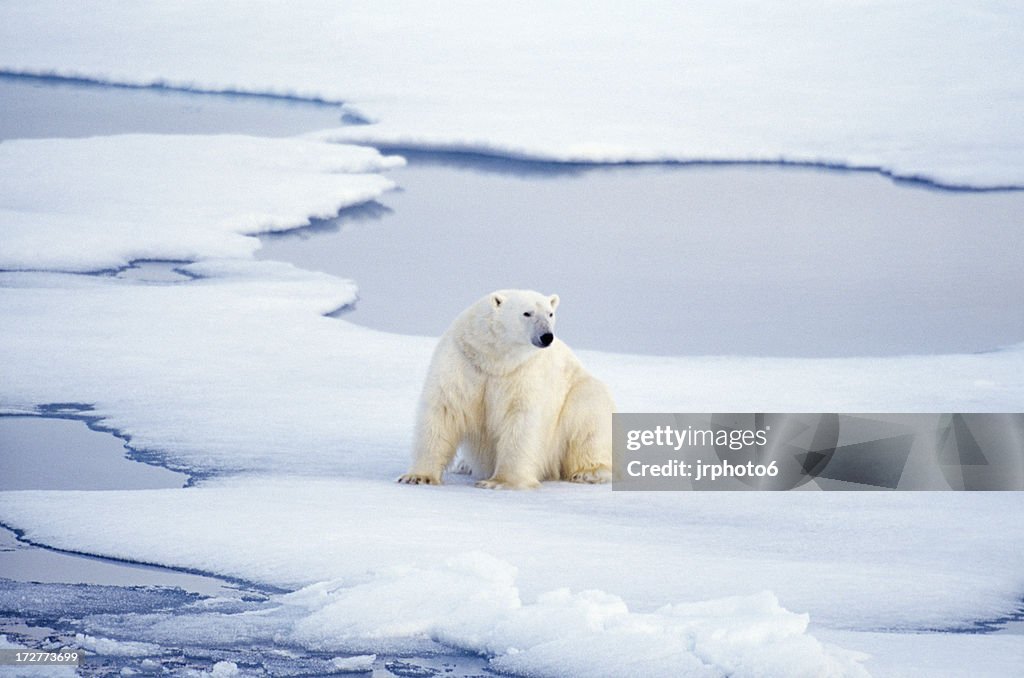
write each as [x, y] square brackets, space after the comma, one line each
[471, 602]
[937, 655]
[240, 371]
[103, 202]
[934, 565]
[178, 343]
[297, 424]
[294, 424]
[915, 88]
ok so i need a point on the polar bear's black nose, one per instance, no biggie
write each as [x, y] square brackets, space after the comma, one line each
[546, 339]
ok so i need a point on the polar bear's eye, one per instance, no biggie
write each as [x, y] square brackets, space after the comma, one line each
[551, 315]
[527, 314]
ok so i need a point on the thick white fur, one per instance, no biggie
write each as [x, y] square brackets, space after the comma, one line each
[521, 412]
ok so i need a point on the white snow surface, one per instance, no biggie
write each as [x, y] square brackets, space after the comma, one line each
[856, 561]
[240, 371]
[296, 424]
[607, 584]
[914, 87]
[305, 421]
[936, 655]
[103, 202]
[471, 602]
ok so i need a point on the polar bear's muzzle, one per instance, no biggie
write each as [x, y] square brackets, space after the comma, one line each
[544, 340]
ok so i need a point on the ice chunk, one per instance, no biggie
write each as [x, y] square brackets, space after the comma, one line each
[115, 648]
[224, 670]
[356, 664]
[471, 603]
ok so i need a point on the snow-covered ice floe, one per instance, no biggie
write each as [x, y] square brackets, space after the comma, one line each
[626, 582]
[103, 202]
[294, 424]
[916, 89]
[239, 370]
[235, 367]
[856, 561]
[117, 648]
[234, 374]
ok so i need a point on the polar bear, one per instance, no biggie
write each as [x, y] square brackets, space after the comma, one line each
[514, 397]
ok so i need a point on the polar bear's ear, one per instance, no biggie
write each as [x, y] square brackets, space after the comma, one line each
[497, 299]
[554, 301]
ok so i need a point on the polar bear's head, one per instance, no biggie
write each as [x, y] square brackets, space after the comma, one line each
[524, 316]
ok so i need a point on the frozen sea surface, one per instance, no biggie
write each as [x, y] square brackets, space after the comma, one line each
[769, 261]
[296, 424]
[918, 89]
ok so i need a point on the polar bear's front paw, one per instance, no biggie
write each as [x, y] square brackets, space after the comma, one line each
[419, 479]
[601, 474]
[499, 484]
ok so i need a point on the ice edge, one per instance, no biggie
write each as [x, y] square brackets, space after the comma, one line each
[486, 152]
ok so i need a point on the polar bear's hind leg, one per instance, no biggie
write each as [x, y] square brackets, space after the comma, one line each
[586, 429]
